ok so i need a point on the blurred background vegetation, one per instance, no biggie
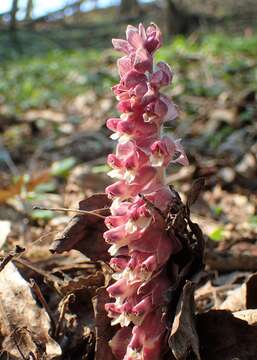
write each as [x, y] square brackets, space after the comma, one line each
[57, 68]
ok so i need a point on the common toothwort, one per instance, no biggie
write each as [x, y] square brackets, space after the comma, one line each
[140, 245]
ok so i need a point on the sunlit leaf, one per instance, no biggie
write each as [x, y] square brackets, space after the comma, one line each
[217, 234]
[42, 214]
[63, 167]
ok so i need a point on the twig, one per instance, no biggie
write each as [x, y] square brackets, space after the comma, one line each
[10, 256]
[42, 300]
[64, 306]
[17, 345]
[82, 212]
[31, 356]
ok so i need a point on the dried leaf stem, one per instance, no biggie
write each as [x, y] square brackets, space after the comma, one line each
[82, 212]
[43, 302]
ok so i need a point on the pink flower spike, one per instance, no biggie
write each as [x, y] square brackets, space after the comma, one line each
[141, 246]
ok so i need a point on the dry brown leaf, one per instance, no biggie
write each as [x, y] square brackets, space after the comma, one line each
[221, 115]
[16, 188]
[236, 299]
[41, 178]
[83, 282]
[230, 261]
[183, 339]
[11, 191]
[251, 292]
[85, 232]
[195, 191]
[24, 325]
[225, 292]
[225, 337]
[243, 297]
[104, 331]
[248, 315]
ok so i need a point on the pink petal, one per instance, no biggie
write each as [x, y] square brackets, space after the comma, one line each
[134, 37]
[120, 342]
[182, 158]
[142, 31]
[124, 65]
[121, 45]
[133, 78]
[154, 38]
[113, 161]
[143, 60]
[112, 123]
[124, 106]
[119, 263]
[117, 189]
[123, 289]
[163, 76]
[171, 109]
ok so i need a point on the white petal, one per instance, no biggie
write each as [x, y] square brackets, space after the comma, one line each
[118, 301]
[130, 227]
[113, 249]
[125, 116]
[143, 222]
[129, 176]
[124, 138]
[123, 320]
[116, 173]
[115, 136]
[115, 205]
[117, 276]
[156, 160]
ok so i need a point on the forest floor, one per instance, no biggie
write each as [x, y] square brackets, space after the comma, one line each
[53, 146]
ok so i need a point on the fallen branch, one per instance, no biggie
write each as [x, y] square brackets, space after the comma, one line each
[11, 255]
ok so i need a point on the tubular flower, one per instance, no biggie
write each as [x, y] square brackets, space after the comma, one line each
[140, 245]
